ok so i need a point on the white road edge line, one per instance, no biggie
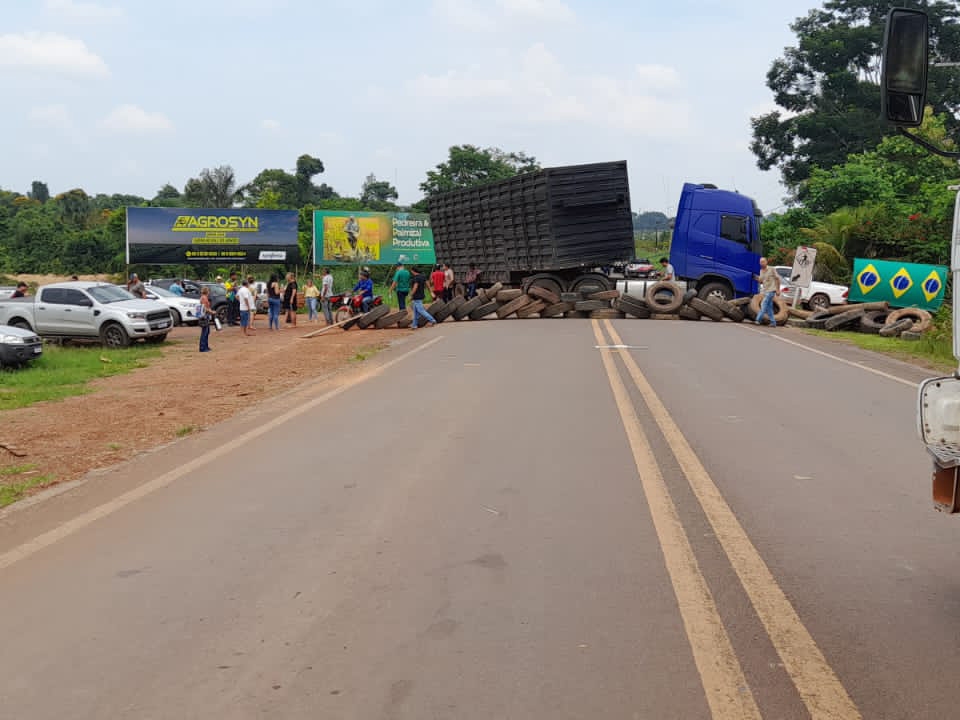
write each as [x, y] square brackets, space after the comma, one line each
[852, 364]
[21, 552]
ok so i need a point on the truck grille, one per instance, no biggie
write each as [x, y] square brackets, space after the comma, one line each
[158, 316]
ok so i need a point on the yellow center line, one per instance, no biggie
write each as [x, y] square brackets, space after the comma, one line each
[724, 684]
[818, 685]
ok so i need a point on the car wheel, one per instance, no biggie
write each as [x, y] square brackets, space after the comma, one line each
[20, 323]
[176, 317]
[819, 302]
[221, 313]
[114, 336]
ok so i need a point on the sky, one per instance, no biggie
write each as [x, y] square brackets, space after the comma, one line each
[122, 97]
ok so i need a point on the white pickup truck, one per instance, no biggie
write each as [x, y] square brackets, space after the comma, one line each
[819, 296]
[88, 311]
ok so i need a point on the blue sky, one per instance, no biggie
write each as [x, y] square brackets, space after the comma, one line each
[126, 96]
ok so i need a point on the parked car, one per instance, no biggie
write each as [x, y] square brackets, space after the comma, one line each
[18, 346]
[191, 290]
[183, 310]
[819, 296]
[638, 268]
[88, 311]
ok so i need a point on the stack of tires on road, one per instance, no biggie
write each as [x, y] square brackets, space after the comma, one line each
[662, 301]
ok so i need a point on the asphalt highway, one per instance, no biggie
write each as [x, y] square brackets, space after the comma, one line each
[554, 519]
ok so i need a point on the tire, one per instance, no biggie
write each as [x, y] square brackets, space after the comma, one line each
[156, 339]
[797, 323]
[176, 317]
[818, 320]
[534, 308]
[352, 322]
[505, 296]
[444, 312]
[591, 283]
[457, 301]
[843, 320]
[341, 314]
[21, 323]
[688, 313]
[113, 335]
[570, 297]
[466, 308]
[368, 319]
[406, 321]
[435, 306]
[654, 297]
[716, 289]
[800, 313]
[490, 293]
[221, 313]
[781, 310]
[741, 302]
[728, 310]
[541, 293]
[545, 281]
[485, 310]
[511, 307]
[591, 305]
[688, 296]
[641, 312]
[556, 310]
[607, 314]
[819, 301]
[910, 335]
[873, 321]
[922, 320]
[576, 314]
[390, 320]
[604, 295]
[707, 309]
[895, 329]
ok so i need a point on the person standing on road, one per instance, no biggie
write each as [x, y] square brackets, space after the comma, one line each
[136, 288]
[312, 293]
[291, 294]
[273, 302]
[401, 283]
[667, 273]
[437, 279]
[326, 292]
[247, 307]
[472, 278]
[233, 304]
[418, 287]
[252, 287]
[770, 287]
[206, 317]
[448, 282]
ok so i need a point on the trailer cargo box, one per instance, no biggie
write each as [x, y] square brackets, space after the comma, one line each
[562, 221]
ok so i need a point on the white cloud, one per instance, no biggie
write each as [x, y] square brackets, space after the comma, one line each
[51, 116]
[270, 125]
[540, 10]
[463, 14]
[83, 11]
[658, 78]
[536, 88]
[134, 119]
[50, 52]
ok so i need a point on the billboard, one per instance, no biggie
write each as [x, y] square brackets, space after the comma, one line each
[372, 238]
[900, 284]
[181, 236]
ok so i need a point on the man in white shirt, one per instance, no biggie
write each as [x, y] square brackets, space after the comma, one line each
[248, 306]
[667, 273]
[326, 292]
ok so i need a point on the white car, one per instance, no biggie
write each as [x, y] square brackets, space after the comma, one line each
[819, 296]
[183, 310]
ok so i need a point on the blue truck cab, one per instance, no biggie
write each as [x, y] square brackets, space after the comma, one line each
[716, 241]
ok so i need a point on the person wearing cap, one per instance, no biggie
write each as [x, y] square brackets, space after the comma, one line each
[136, 287]
[401, 284]
[365, 288]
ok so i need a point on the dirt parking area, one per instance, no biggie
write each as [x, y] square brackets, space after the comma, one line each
[175, 395]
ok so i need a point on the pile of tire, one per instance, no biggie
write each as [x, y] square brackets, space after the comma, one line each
[873, 319]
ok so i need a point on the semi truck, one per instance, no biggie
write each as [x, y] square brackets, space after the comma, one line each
[554, 228]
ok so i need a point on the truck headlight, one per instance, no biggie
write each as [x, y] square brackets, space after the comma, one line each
[137, 315]
[12, 340]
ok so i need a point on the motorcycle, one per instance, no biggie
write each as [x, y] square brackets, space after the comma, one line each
[348, 305]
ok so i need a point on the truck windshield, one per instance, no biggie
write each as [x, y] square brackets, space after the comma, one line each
[106, 294]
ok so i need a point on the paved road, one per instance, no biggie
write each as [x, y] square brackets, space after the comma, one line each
[509, 522]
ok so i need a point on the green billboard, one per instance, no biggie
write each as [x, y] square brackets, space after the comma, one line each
[342, 237]
[900, 284]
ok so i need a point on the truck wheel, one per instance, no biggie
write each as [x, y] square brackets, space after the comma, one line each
[548, 282]
[114, 336]
[591, 283]
[716, 289]
[664, 297]
[176, 317]
[21, 323]
[819, 302]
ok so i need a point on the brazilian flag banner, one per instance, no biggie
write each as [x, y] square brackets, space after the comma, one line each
[900, 284]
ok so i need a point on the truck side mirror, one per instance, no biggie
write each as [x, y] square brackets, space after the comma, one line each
[903, 75]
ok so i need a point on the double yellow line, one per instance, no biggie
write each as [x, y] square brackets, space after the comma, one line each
[727, 692]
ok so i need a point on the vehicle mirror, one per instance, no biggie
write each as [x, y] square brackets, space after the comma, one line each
[84, 302]
[903, 76]
[938, 415]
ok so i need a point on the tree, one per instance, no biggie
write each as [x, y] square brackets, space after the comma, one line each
[75, 207]
[216, 188]
[468, 165]
[827, 85]
[378, 192]
[39, 191]
[167, 196]
[288, 190]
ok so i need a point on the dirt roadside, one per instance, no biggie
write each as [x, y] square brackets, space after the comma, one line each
[176, 395]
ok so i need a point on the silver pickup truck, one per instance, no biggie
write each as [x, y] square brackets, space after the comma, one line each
[88, 311]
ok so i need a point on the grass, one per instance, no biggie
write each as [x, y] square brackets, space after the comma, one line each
[67, 371]
[364, 354]
[10, 492]
[186, 430]
[935, 351]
